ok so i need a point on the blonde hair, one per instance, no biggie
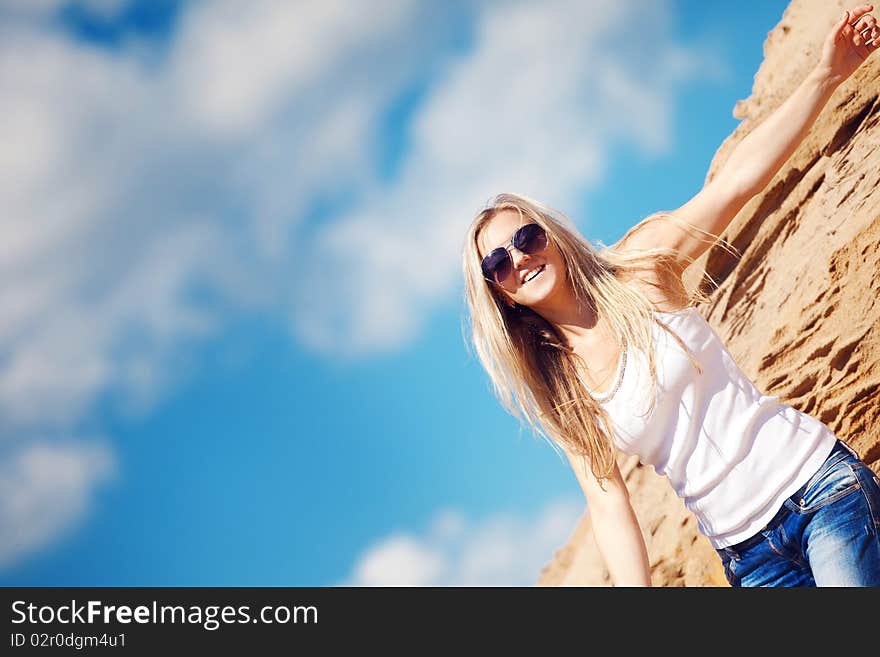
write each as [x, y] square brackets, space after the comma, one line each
[529, 361]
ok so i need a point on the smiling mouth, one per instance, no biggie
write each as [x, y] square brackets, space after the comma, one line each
[534, 274]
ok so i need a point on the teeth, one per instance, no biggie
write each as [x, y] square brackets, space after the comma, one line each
[533, 274]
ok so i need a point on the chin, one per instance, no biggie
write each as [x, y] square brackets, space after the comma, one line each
[539, 289]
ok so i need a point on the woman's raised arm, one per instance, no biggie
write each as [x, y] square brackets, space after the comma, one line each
[761, 153]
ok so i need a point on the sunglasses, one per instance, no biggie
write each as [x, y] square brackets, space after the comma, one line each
[528, 239]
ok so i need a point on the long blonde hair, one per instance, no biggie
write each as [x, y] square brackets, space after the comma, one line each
[529, 361]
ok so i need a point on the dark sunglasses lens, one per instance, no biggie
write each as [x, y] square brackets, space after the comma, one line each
[530, 239]
[497, 265]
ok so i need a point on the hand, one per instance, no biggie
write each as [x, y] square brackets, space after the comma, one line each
[849, 43]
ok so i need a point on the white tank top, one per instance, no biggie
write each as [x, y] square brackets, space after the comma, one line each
[730, 452]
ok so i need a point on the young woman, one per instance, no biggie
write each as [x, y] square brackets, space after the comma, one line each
[605, 349]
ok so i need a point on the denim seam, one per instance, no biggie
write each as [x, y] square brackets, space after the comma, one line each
[731, 576]
[875, 513]
[832, 460]
[785, 542]
[810, 508]
[849, 449]
[789, 557]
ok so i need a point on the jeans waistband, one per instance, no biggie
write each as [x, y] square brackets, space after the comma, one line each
[839, 451]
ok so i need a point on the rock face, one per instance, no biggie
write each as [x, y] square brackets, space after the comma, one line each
[799, 310]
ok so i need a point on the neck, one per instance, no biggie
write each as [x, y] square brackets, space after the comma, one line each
[573, 320]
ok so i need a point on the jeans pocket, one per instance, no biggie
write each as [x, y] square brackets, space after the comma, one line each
[836, 481]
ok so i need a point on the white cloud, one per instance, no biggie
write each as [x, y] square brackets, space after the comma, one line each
[34, 6]
[22, 11]
[234, 62]
[400, 561]
[46, 489]
[147, 192]
[151, 191]
[549, 90]
[502, 550]
[127, 183]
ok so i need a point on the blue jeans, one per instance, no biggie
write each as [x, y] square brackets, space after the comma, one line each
[826, 534]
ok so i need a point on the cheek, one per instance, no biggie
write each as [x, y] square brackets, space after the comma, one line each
[557, 261]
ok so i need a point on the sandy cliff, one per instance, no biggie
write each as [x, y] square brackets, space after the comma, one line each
[799, 310]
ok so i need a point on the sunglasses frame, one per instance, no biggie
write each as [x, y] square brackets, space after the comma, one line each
[510, 244]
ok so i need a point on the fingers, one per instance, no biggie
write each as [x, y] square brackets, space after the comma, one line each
[861, 27]
[857, 15]
[865, 31]
[840, 26]
[856, 12]
[868, 37]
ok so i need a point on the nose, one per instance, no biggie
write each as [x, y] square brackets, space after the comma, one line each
[521, 261]
[518, 258]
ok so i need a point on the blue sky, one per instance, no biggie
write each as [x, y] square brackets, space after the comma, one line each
[232, 342]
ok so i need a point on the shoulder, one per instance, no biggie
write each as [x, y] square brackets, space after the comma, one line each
[652, 232]
[662, 288]
[658, 278]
